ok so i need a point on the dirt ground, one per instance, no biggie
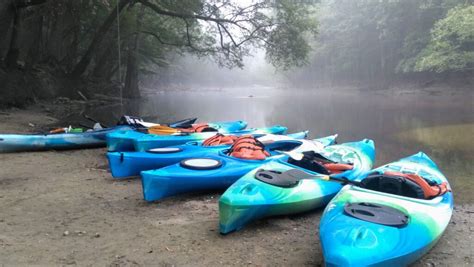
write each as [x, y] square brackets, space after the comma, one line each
[64, 208]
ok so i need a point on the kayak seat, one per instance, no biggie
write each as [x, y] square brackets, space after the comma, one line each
[285, 179]
[403, 184]
[318, 163]
[376, 213]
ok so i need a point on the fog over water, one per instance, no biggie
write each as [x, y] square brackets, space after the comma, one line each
[400, 125]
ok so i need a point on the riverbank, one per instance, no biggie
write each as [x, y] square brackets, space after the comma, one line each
[63, 208]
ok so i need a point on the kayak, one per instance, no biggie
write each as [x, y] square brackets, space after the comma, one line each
[386, 220]
[215, 172]
[124, 140]
[265, 191]
[73, 138]
[57, 141]
[152, 141]
[126, 164]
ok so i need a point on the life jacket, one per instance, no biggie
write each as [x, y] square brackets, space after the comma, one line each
[335, 168]
[430, 189]
[58, 130]
[219, 139]
[318, 163]
[198, 128]
[247, 147]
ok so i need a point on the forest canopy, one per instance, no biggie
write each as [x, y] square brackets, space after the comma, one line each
[90, 37]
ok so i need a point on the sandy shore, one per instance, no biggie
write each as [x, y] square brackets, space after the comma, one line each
[63, 208]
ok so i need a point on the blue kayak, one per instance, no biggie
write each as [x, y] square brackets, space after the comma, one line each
[217, 171]
[124, 140]
[125, 164]
[253, 197]
[387, 219]
[156, 141]
[59, 141]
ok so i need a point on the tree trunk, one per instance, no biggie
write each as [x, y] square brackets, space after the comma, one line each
[14, 47]
[102, 64]
[6, 17]
[131, 89]
[81, 67]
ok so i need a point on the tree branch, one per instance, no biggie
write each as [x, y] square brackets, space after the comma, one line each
[161, 11]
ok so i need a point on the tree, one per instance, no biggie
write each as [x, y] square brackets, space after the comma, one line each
[131, 77]
[10, 12]
[223, 30]
[451, 47]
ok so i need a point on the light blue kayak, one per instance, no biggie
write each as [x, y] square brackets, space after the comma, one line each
[60, 141]
[125, 164]
[124, 140]
[364, 225]
[218, 171]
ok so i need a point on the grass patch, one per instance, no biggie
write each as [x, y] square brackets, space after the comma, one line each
[456, 137]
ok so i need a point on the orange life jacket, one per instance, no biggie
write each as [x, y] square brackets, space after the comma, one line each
[247, 147]
[219, 139]
[430, 191]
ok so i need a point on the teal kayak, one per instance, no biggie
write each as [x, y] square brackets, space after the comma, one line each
[217, 171]
[392, 217]
[124, 140]
[253, 197]
[125, 164]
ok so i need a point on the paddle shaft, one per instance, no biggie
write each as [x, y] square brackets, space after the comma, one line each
[94, 120]
[297, 172]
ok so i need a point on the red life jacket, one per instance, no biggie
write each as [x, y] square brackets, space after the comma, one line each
[247, 147]
[335, 168]
[429, 191]
[219, 139]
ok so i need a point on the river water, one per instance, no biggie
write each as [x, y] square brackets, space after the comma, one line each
[439, 124]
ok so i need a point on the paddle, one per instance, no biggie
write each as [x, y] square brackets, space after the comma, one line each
[94, 120]
[186, 123]
[165, 130]
[304, 175]
[85, 126]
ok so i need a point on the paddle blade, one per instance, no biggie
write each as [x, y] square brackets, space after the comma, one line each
[162, 130]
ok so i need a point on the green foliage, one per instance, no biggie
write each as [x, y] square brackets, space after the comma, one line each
[375, 41]
[294, 24]
[451, 47]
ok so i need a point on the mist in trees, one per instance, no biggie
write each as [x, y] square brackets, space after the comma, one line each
[51, 48]
[376, 43]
